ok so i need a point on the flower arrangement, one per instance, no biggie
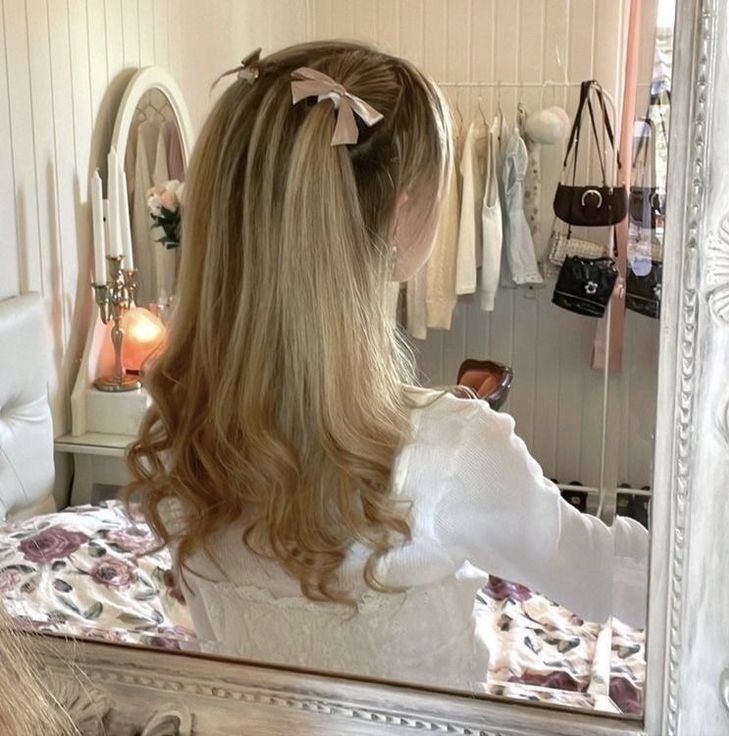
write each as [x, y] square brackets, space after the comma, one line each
[165, 209]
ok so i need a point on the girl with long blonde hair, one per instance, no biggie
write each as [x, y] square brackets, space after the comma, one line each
[323, 511]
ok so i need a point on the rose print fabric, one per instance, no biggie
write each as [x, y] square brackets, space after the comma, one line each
[543, 652]
[93, 571]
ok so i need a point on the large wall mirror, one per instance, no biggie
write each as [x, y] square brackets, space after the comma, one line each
[554, 296]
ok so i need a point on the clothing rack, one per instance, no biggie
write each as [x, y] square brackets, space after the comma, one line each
[593, 491]
[602, 490]
[511, 85]
[525, 85]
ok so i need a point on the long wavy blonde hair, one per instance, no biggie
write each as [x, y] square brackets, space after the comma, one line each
[27, 708]
[280, 398]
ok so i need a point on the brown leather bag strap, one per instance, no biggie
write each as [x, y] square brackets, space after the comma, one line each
[575, 132]
[601, 154]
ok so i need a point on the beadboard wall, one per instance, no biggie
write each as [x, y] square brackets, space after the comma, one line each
[63, 68]
[64, 65]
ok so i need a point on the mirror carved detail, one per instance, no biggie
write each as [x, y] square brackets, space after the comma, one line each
[688, 351]
[717, 272]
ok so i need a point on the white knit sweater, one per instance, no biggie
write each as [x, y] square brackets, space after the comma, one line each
[480, 504]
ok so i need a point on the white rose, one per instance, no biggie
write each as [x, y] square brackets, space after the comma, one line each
[169, 201]
[155, 205]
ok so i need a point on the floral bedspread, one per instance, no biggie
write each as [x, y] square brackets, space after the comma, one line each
[543, 652]
[93, 571]
[88, 571]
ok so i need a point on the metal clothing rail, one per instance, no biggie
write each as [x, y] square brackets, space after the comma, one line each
[511, 85]
[526, 85]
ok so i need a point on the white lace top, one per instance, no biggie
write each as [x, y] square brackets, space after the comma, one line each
[480, 505]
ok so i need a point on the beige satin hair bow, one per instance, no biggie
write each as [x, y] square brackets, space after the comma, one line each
[312, 83]
[247, 69]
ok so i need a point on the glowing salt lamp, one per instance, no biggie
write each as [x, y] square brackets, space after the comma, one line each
[143, 333]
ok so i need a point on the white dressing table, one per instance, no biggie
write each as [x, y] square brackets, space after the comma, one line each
[98, 463]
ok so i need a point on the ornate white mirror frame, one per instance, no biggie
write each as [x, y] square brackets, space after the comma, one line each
[149, 78]
[688, 646]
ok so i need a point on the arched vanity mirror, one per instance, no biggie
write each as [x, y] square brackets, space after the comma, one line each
[146, 166]
[150, 146]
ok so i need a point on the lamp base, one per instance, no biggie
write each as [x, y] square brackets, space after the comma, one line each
[115, 383]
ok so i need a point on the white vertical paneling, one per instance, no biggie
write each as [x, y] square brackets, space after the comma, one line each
[10, 277]
[115, 36]
[145, 31]
[130, 32]
[161, 33]
[293, 30]
[80, 94]
[388, 24]
[546, 398]
[457, 60]
[22, 146]
[608, 65]
[411, 31]
[364, 14]
[343, 25]
[71, 252]
[44, 203]
[480, 62]
[322, 18]
[531, 40]
[177, 51]
[56, 114]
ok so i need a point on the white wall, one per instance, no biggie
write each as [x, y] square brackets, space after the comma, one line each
[63, 67]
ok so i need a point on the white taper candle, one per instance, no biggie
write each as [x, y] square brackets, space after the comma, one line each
[114, 197]
[97, 213]
[124, 217]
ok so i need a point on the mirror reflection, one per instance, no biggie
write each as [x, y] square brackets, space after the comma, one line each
[154, 168]
[398, 409]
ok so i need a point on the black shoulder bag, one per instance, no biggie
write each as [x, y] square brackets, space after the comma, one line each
[647, 202]
[585, 285]
[592, 205]
[643, 292]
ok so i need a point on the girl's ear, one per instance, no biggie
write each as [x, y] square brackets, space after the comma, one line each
[397, 218]
[411, 237]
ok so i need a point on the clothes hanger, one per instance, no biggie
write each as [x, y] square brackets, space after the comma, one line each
[458, 114]
[499, 113]
[479, 102]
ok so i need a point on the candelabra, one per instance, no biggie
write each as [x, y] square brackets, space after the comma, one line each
[113, 299]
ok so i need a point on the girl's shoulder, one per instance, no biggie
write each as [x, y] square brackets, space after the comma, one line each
[460, 423]
[444, 404]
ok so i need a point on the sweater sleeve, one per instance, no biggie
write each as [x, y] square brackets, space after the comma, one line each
[500, 514]
[441, 268]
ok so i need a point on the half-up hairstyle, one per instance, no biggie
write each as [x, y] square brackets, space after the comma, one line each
[280, 399]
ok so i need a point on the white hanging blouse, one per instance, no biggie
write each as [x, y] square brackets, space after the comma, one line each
[469, 230]
[480, 504]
